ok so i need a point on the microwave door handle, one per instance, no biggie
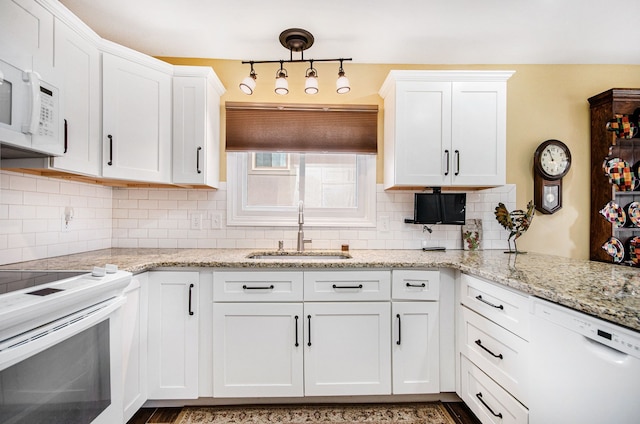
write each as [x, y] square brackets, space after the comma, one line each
[33, 79]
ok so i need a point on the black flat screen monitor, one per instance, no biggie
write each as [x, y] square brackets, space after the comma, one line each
[440, 208]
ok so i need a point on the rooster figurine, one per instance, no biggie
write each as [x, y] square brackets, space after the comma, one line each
[517, 222]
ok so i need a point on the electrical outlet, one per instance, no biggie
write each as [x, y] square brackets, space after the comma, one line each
[384, 223]
[196, 221]
[216, 221]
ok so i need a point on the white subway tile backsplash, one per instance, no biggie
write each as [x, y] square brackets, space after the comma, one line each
[31, 210]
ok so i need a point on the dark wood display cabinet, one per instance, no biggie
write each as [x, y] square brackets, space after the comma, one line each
[606, 144]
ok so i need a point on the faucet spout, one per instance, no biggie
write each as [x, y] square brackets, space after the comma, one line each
[301, 240]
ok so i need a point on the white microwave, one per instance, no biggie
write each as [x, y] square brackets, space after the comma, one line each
[29, 114]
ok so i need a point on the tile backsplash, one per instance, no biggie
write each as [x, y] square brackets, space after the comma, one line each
[32, 210]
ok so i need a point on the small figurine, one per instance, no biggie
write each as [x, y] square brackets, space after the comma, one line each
[517, 222]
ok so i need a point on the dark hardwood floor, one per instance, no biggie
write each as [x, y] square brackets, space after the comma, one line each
[458, 411]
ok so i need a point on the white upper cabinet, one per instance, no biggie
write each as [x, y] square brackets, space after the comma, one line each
[196, 126]
[27, 36]
[136, 116]
[445, 128]
[77, 61]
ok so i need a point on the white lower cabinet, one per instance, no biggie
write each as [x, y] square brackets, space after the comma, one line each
[416, 347]
[173, 335]
[493, 333]
[257, 350]
[134, 343]
[347, 348]
[488, 401]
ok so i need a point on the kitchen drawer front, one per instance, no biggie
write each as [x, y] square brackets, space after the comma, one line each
[262, 286]
[498, 352]
[347, 285]
[502, 306]
[488, 401]
[415, 285]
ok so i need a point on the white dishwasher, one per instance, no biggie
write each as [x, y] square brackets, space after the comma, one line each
[583, 370]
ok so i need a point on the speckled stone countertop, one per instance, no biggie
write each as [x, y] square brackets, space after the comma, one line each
[606, 291]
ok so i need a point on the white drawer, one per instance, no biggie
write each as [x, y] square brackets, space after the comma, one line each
[503, 306]
[259, 286]
[415, 285]
[488, 401]
[347, 285]
[498, 352]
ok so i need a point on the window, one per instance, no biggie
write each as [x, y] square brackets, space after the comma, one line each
[264, 189]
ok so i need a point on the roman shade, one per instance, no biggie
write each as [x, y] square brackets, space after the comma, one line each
[301, 128]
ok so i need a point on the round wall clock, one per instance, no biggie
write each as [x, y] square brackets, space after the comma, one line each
[551, 162]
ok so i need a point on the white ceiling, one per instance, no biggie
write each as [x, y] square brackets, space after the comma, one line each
[377, 31]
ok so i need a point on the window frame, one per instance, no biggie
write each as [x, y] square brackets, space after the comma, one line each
[239, 214]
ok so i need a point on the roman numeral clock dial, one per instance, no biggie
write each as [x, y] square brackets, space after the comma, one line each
[551, 162]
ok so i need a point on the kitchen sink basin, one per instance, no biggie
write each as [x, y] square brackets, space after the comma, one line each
[291, 255]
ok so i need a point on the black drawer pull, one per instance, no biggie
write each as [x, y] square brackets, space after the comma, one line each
[359, 286]
[66, 136]
[479, 297]
[479, 396]
[296, 318]
[457, 154]
[110, 137]
[416, 285]
[198, 160]
[190, 289]
[479, 343]
[399, 329]
[245, 287]
[446, 152]
[309, 319]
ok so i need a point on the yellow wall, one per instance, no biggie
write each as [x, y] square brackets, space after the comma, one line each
[544, 102]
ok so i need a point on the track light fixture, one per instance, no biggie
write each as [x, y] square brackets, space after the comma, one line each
[296, 40]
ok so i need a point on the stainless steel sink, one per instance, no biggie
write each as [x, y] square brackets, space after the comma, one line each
[293, 255]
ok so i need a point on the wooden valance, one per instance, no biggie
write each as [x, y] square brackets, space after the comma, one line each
[301, 128]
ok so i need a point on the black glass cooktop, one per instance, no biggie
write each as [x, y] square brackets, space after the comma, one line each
[11, 280]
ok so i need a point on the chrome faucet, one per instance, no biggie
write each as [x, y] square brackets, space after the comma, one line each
[301, 240]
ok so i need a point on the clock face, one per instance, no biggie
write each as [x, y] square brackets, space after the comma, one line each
[554, 160]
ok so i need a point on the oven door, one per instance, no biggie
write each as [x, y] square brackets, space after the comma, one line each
[66, 372]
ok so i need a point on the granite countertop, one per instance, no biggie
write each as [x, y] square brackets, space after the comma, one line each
[606, 291]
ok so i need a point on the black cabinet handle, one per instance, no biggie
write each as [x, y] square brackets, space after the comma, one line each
[359, 286]
[198, 160]
[446, 152]
[296, 318]
[416, 285]
[399, 329]
[457, 154]
[479, 343]
[309, 320]
[66, 136]
[245, 287]
[110, 137]
[479, 297]
[190, 289]
[479, 396]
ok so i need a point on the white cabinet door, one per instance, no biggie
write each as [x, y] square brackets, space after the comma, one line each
[445, 128]
[136, 125]
[173, 335]
[77, 61]
[416, 347]
[479, 139]
[422, 134]
[196, 126]
[258, 350]
[27, 36]
[134, 343]
[347, 348]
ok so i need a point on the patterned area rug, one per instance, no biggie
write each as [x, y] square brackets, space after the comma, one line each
[405, 413]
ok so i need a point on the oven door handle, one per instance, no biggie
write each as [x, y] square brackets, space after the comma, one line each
[23, 346]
